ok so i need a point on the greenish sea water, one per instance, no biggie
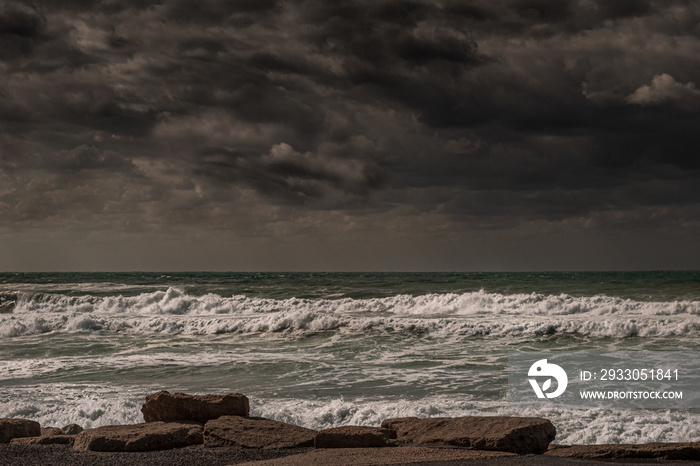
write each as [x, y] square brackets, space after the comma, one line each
[328, 349]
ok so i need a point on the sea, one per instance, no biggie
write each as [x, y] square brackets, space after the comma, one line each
[329, 349]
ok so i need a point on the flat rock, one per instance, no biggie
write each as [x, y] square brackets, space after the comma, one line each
[165, 406]
[520, 435]
[354, 437]
[45, 440]
[140, 437]
[13, 428]
[664, 451]
[249, 432]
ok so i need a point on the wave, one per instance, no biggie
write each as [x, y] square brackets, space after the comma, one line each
[176, 301]
[8, 301]
[470, 314]
[306, 322]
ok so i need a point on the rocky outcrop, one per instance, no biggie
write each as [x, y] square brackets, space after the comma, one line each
[247, 432]
[45, 440]
[656, 451]
[511, 434]
[477, 436]
[14, 428]
[140, 437]
[165, 406]
[354, 437]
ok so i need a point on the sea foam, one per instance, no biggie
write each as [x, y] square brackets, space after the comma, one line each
[173, 311]
[175, 301]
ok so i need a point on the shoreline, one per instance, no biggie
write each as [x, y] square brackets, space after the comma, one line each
[64, 455]
[183, 429]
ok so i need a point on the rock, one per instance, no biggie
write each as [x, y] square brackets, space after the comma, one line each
[13, 428]
[71, 429]
[140, 437]
[512, 434]
[164, 406]
[47, 431]
[45, 440]
[248, 432]
[8, 301]
[661, 451]
[354, 437]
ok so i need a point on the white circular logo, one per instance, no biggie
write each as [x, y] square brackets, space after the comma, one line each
[542, 368]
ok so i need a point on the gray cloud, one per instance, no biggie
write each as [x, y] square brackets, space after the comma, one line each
[269, 118]
[664, 88]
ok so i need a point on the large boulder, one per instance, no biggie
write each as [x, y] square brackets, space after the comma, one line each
[511, 434]
[164, 406]
[655, 451]
[354, 437]
[13, 428]
[45, 440]
[248, 432]
[140, 437]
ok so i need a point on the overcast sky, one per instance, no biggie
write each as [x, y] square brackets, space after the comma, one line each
[338, 135]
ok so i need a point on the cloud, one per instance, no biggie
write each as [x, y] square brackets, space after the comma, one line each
[22, 29]
[86, 157]
[663, 88]
[267, 117]
[312, 174]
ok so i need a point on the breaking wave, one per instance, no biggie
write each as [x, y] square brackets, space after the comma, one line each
[470, 314]
[176, 301]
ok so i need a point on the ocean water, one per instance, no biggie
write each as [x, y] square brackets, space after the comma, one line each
[329, 349]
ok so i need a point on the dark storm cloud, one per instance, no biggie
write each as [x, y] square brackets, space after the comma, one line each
[211, 12]
[20, 30]
[487, 113]
[283, 171]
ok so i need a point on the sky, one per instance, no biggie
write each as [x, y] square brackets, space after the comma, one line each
[272, 135]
